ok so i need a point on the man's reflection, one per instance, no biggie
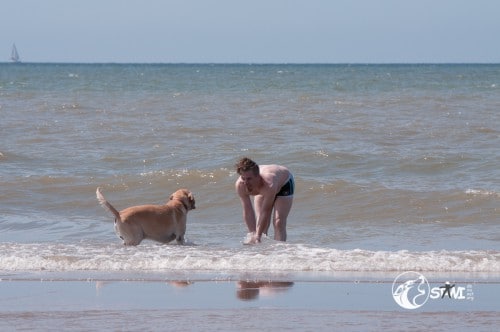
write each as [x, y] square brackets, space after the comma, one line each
[250, 290]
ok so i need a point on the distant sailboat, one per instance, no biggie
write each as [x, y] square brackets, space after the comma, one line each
[14, 56]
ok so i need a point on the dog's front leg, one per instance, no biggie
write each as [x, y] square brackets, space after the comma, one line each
[180, 239]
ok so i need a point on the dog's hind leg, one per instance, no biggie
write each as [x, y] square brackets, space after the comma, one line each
[130, 234]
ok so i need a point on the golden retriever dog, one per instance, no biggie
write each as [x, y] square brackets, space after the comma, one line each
[162, 223]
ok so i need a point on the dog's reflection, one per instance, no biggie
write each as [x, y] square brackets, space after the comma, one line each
[251, 290]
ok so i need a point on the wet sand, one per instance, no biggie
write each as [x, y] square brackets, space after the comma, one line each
[352, 304]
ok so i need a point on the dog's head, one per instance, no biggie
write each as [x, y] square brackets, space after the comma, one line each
[185, 197]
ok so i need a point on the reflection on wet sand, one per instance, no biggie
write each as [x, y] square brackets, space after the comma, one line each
[180, 283]
[248, 290]
[251, 290]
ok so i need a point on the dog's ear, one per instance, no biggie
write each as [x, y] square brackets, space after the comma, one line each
[191, 200]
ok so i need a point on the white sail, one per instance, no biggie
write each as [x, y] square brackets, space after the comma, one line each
[14, 56]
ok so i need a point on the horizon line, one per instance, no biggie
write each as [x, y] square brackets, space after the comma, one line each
[248, 63]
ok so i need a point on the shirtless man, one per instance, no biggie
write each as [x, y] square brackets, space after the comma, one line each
[272, 187]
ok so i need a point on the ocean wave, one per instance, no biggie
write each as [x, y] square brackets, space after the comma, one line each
[267, 257]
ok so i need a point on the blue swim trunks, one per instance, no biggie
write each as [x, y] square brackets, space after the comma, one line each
[288, 188]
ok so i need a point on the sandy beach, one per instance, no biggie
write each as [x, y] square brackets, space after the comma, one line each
[347, 303]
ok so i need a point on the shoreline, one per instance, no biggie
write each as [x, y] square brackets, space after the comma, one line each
[236, 275]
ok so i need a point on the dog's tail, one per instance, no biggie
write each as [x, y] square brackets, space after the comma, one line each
[106, 204]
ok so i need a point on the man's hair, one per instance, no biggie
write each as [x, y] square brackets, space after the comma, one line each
[246, 164]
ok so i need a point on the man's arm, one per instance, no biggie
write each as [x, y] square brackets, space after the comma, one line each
[246, 203]
[264, 206]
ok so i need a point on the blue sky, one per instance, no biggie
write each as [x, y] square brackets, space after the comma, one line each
[257, 31]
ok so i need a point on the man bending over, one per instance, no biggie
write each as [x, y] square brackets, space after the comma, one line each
[272, 187]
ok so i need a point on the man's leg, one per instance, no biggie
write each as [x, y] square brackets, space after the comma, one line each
[282, 207]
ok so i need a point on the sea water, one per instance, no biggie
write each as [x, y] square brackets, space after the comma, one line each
[396, 166]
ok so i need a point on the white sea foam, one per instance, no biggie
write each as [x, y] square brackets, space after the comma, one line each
[268, 257]
[481, 192]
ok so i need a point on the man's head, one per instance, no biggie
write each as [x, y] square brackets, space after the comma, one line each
[246, 164]
[249, 174]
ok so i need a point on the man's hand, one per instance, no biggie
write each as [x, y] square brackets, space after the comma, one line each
[252, 238]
